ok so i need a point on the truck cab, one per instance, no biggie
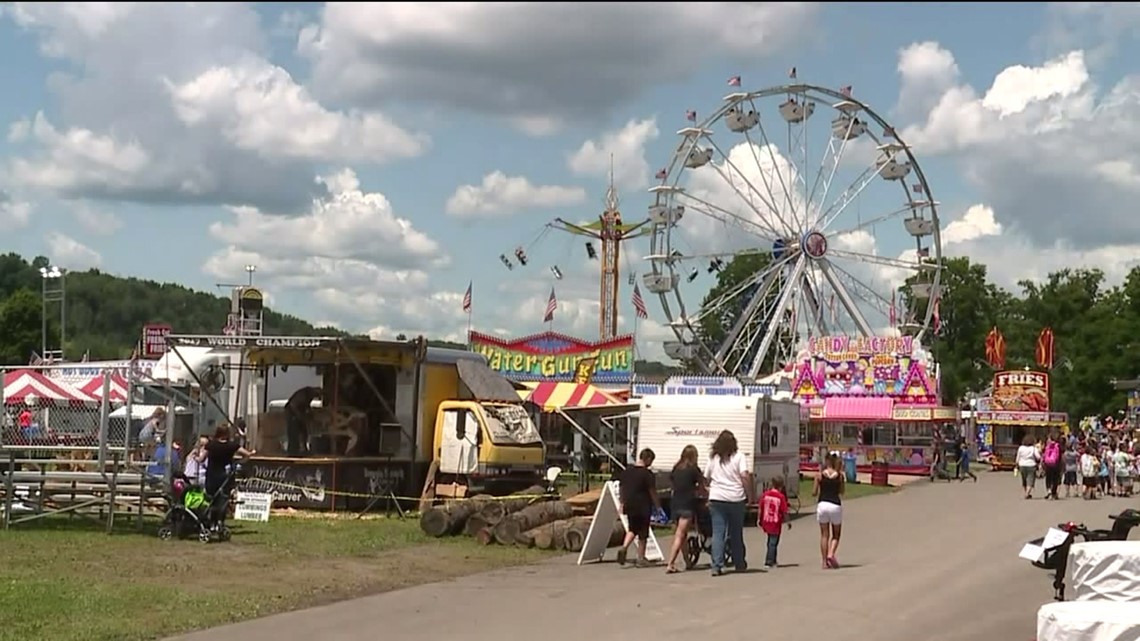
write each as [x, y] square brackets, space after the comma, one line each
[481, 443]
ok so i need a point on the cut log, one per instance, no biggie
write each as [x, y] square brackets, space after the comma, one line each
[451, 517]
[551, 536]
[486, 536]
[576, 535]
[473, 525]
[493, 512]
[525, 539]
[528, 518]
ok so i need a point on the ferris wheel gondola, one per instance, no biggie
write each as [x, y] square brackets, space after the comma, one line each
[824, 260]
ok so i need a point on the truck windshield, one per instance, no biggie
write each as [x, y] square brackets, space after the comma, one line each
[510, 425]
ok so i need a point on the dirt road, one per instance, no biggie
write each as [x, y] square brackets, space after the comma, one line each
[936, 562]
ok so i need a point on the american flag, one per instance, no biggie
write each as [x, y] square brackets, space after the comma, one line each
[894, 312]
[467, 299]
[792, 73]
[639, 303]
[916, 188]
[923, 252]
[662, 174]
[734, 81]
[551, 307]
[691, 115]
[888, 132]
[36, 360]
[845, 91]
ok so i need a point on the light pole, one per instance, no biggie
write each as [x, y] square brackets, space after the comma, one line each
[54, 290]
[249, 269]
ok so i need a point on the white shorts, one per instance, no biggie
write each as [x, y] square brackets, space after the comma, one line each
[829, 514]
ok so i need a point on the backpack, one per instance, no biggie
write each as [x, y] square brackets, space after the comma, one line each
[1052, 454]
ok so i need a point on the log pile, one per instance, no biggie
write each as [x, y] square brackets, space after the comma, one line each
[520, 519]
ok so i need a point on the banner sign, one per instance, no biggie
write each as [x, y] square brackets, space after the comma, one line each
[551, 356]
[864, 366]
[1021, 418]
[154, 339]
[1020, 391]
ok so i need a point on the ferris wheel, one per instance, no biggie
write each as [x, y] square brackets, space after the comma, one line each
[790, 212]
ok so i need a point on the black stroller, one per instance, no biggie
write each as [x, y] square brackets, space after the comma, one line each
[194, 514]
[1057, 558]
[700, 539]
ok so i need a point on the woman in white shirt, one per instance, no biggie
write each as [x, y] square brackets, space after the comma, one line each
[730, 491]
[1027, 460]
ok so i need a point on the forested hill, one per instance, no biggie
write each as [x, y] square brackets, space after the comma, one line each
[105, 313]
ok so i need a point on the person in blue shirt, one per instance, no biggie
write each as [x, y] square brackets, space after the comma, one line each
[157, 467]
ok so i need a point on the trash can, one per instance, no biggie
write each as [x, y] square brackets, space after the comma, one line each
[849, 468]
[879, 474]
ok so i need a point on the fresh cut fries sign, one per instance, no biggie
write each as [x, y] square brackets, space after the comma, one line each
[1020, 391]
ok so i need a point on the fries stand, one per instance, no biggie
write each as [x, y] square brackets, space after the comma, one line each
[1018, 405]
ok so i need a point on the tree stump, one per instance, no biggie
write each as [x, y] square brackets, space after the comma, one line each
[494, 512]
[451, 517]
[528, 518]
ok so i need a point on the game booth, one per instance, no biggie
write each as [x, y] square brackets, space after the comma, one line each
[573, 385]
[874, 398]
[369, 430]
[1018, 405]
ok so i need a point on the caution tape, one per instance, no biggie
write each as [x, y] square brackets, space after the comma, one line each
[308, 489]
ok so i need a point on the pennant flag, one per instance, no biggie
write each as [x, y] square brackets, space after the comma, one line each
[1045, 348]
[639, 303]
[691, 115]
[734, 81]
[467, 298]
[937, 315]
[845, 91]
[662, 174]
[551, 307]
[894, 311]
[792, 73]
[995, 348]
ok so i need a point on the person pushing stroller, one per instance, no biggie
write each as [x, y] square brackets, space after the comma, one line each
[218, 456]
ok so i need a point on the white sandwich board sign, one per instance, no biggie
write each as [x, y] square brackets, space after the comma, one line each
[602, 528]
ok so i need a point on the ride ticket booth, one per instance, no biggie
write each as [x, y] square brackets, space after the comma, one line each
[1019, 405]
[876, 399]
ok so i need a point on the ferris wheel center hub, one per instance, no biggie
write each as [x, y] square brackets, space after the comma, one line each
[814, 244]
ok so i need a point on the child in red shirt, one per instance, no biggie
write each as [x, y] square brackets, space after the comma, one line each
[772, 514]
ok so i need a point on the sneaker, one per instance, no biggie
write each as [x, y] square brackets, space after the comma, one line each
[717, 571]
[642, 563]
[623, 554]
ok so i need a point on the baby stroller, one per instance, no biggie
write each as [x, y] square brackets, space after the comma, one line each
[1057, 559]
[193, 513]
[700, 539]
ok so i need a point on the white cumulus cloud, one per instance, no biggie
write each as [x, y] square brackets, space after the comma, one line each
[502, 195]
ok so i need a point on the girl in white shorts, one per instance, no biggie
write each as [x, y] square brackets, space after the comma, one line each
[829, 488]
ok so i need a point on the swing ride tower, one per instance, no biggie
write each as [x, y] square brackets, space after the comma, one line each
[610, 231]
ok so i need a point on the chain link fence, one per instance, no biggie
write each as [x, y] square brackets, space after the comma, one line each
[49, 409]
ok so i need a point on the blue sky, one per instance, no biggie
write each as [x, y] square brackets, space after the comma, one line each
[419, 107]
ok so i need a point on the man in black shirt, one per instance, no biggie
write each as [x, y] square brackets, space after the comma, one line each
[638, 490]
[298, 409]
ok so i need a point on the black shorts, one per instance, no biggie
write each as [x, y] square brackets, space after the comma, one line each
[683, 513]
[1070, 478]
[639, 524]
[1092, 481]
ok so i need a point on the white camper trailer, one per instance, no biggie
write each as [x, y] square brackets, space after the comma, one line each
[767, 432]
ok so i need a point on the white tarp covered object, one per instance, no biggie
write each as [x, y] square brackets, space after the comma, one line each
[1106, 571]
[1089, 621]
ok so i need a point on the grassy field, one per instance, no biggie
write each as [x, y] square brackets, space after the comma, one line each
[854, 491]
[67, 581]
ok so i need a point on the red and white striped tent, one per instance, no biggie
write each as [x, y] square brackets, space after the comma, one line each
[21, 384]
[118, 389]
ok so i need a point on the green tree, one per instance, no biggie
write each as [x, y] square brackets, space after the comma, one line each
[969, 306]
[20, 316]
[736, 285]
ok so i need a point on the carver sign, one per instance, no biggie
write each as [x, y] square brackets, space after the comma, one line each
[552, 356]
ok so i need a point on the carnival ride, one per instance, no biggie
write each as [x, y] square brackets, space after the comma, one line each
[822, 255]
[604, 238]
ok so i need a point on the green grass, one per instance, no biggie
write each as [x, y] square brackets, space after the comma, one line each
[854, 491]
[63, 580]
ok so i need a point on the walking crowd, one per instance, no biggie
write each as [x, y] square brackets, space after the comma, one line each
[722, 497]
[1085, 466]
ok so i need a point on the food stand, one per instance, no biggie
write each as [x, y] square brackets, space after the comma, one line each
[874, 398]
[1019, 405]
